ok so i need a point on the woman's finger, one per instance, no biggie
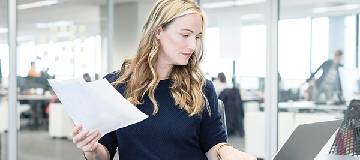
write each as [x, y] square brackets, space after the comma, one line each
[88, 139]
[79, 137]
[76, 129]
[92, 145]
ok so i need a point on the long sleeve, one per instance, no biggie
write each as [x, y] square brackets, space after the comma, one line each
[212, 130]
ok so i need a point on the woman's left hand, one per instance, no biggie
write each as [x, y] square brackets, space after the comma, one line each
[230, 153]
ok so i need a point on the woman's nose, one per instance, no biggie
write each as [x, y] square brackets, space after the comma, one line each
[192, 43]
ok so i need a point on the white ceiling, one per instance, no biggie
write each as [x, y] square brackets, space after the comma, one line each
[87, 12]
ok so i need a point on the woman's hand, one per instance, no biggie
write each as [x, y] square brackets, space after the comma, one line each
[87, 142]
[230, 153]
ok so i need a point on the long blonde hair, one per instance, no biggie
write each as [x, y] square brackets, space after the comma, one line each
[139, 74]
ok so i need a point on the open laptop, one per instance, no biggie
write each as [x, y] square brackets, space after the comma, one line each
[307, 140]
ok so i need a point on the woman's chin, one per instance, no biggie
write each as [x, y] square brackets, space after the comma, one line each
[182, 63]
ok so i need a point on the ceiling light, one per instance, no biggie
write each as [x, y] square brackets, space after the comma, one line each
[247, 2]
[252, 16]
[45, 25]
[218, 4]
[3, 30]
[232, 3]
[320, 10]
[351, 6]
[37, 4]
[336, 8]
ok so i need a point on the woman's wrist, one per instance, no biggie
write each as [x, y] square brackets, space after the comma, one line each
[220, 149]
[91, 154]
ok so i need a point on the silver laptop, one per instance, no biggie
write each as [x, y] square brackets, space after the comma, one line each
[307, 140]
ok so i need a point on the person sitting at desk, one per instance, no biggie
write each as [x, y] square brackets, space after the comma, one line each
[33, 72]
[164, 81]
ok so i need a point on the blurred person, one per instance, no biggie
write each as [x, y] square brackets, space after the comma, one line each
[45, 73]
[32, 71]
[44, 76]
[86, 77]
[220, 83]
[329, 82]
[233, 107]
[164, 81]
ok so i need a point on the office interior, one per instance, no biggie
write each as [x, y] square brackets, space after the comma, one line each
[68, 38]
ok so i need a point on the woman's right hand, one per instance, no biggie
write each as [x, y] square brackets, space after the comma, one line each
[87, 142]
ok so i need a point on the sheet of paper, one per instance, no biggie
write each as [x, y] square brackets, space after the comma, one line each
[96, 105]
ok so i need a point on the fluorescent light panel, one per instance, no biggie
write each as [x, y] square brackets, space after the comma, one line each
[336, 8]
[37, 4]
[3, 30]
[252, 16]
[233, 3]
[46, 25]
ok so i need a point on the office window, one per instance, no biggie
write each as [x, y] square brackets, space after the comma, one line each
[252, 60]
[4, 56]
[358, 29]
[213, 62]
[251, 63]
[320, 42]
[350, 42]
[66, 59]
[294, 50]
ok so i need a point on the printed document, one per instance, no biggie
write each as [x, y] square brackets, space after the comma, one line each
[96, 105]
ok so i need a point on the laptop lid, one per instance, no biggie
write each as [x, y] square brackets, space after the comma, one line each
[307, 140]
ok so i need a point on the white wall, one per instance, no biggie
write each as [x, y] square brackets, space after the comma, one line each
[129, 19]
[125, 32]
[144, 8]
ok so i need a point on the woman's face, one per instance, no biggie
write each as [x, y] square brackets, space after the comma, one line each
[178, 41]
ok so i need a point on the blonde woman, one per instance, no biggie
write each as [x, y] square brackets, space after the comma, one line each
[165, 82]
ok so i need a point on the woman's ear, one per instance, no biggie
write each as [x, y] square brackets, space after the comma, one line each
[158, 32]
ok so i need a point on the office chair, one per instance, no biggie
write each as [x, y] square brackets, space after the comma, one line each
[221, 109]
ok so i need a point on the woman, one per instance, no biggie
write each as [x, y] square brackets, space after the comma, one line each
[165, 82]
[220, 83]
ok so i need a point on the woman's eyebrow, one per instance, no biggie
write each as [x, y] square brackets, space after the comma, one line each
[185, 29]
[189, 30]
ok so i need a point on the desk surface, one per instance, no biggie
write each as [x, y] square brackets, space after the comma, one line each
[36, 97]
[251, 99]
[308, 105]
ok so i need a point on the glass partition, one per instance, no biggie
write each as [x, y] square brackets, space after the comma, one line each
[56, 40]
[235, 60]
[317, 62]
[4, 70]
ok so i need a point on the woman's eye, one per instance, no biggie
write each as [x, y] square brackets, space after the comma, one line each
[185, 35]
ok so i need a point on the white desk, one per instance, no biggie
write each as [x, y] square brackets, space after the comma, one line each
[60, 124]
[36, 97]
[297, 106]
[4, 113]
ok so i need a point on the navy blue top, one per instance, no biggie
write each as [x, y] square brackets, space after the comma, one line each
[170, 134]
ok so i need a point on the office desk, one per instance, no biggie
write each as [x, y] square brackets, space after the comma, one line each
[37, 103]
[252, 99]
[309, 106]
[36, 97]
